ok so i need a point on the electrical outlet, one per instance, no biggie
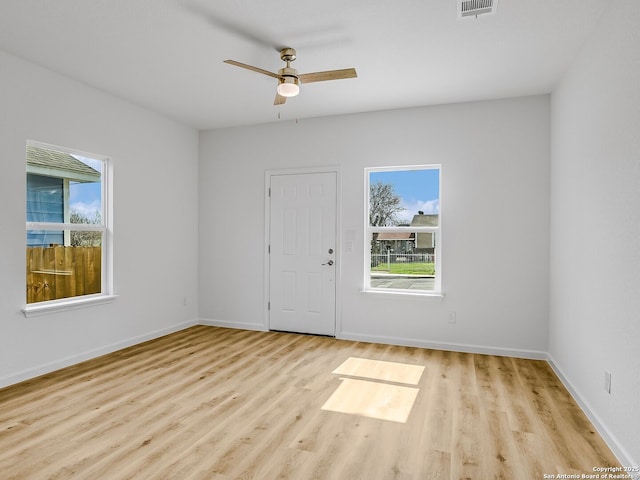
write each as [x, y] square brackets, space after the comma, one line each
[607, 382]
[452, 317]
[184, 301]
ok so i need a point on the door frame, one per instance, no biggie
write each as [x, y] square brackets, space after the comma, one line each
[267, 233]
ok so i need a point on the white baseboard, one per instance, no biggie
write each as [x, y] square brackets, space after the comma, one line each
[236, 325]
[88, 355]
[454, 347]
[616, 447]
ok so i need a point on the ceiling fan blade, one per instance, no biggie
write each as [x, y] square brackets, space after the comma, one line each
[252, 68]
[328, 75]
[279, 99]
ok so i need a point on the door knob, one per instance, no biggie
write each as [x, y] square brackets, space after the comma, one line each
[330, 262]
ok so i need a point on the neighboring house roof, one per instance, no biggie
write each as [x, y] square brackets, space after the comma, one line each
[395, 236]
[422, 220]
[50, 163]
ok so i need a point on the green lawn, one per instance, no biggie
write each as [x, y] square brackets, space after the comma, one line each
[406, 268]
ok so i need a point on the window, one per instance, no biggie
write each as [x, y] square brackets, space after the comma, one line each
[67, 228]
[403, 229]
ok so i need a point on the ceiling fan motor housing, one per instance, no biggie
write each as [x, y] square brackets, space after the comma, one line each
[288, 72]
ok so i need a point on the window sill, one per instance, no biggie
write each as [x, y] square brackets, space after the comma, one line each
[432, 296]
[56, 306]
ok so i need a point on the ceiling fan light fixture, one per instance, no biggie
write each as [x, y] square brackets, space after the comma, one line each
[288, 87]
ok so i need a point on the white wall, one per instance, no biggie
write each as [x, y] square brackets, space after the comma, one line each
[595, 227]
[155, 219]
[495, 217]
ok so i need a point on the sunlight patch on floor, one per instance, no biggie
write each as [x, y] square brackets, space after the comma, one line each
[375, 394]
[372, 399]
[379, 370]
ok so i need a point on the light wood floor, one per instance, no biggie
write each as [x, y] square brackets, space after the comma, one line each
[212, 403]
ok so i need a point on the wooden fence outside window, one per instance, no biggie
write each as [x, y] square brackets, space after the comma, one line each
[63, 272]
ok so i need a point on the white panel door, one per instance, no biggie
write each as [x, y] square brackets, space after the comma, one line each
[302, 244]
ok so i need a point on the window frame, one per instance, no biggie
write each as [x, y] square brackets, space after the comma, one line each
[369, 230]
[106, 281]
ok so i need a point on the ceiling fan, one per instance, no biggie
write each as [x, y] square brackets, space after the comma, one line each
[289, 79]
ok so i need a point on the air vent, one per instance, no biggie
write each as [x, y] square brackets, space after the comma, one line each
[473, 8]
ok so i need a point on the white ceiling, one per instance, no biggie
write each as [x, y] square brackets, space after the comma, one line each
[167, 54]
